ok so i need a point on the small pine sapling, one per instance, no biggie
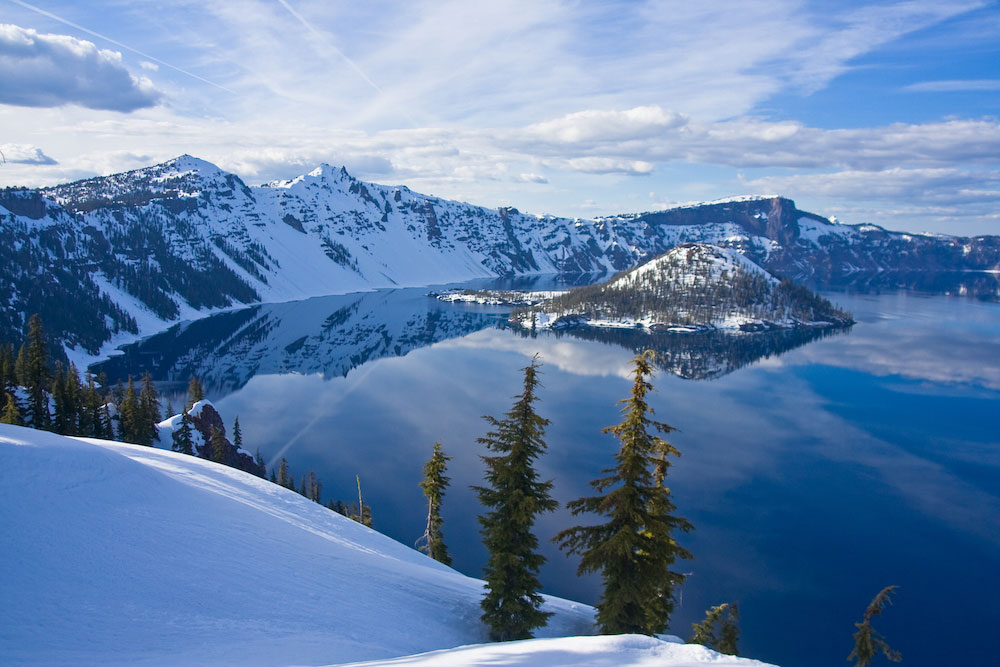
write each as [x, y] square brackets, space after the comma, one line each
[868, 642]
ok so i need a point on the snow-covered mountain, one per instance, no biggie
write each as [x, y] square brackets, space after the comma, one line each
[107, 258]
[119, 554]
[692, 287]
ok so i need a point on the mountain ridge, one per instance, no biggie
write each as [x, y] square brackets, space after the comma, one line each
[110, 258]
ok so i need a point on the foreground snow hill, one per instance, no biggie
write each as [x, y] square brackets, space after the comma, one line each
[122, 554]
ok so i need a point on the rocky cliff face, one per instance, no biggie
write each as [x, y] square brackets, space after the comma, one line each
[109, 258]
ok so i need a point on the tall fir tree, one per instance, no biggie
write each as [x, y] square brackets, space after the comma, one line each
[635, 549]
[434, 484]
[515, 497]
[183, 439]
[217, 446]
[149, 412]
[11, 412]
[128, 415]
[195, 392]
[719, 630]
[32, 368]
[868, 642]
[284, 476]
[237, 434]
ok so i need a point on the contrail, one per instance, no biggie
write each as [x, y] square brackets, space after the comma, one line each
[50, 15]
[340, 53]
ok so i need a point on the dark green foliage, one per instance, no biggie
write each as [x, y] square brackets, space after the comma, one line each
[238, 435]
[868, 642]
[258, 459]
[217, 446]
[149, 412]
[515, 497]
[635, 549]
[720, 629]
[183, 440]
[434, 484]
[129, 415]
[32, 369]
[11, 413]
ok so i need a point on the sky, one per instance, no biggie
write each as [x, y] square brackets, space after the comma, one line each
[883, 112]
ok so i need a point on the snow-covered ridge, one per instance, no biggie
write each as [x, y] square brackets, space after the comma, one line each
[133, 555]
[137, 251]
[693, 287]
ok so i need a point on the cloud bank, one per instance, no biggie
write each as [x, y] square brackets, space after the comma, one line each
[46, 70]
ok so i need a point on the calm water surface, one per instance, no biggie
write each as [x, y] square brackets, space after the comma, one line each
[815, 472]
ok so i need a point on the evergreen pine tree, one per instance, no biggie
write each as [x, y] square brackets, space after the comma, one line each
[434, 484]
[33, 374]
[635, 549]
[61, 413]
[285, 477]
[720, 629]
[867, 641]
[195, 392]
[183, 440]
[74, 397]
[237, 434]
[149, 412]
[128, 415]
[217, 446]
[258, 458]
[11, 412]
[515, 497]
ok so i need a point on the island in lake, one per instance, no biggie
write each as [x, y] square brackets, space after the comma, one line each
[692, 288]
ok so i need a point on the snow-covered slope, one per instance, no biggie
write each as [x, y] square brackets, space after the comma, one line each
[694, 286]
[123, 554]
[606, 651]
[109, 258]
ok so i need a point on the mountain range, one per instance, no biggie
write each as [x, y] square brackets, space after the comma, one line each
[106, 259]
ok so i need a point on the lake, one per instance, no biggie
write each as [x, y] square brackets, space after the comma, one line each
[816, 469]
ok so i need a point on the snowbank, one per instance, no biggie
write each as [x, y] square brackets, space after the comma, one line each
[123, 554]
[607, 651]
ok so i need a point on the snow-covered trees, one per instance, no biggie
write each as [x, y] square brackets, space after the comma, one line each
[515, 497]
[635, 549]
[434, 484]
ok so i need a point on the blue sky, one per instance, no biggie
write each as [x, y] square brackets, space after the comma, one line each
[885, 112]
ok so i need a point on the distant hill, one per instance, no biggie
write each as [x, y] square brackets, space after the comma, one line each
[691, 287]
[106, 259]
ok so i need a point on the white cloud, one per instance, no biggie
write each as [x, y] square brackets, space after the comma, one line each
[152, 67]
[532, 178]
[25, 154]
[45, 70]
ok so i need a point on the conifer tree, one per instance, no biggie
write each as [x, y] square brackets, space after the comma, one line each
[183, 441]
[61, 412]
[195, 392]
[128, 415]
[720, 629]
[434, 484]
[284, 477]
[258, 458]
[33, 374]
[217, 446]
[74, 397]
[11, 413]
[237, 434]
[635, 549]
[149, 412]
[515, 497]
[868, 642]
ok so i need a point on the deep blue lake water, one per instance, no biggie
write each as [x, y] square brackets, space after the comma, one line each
[815, 472]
